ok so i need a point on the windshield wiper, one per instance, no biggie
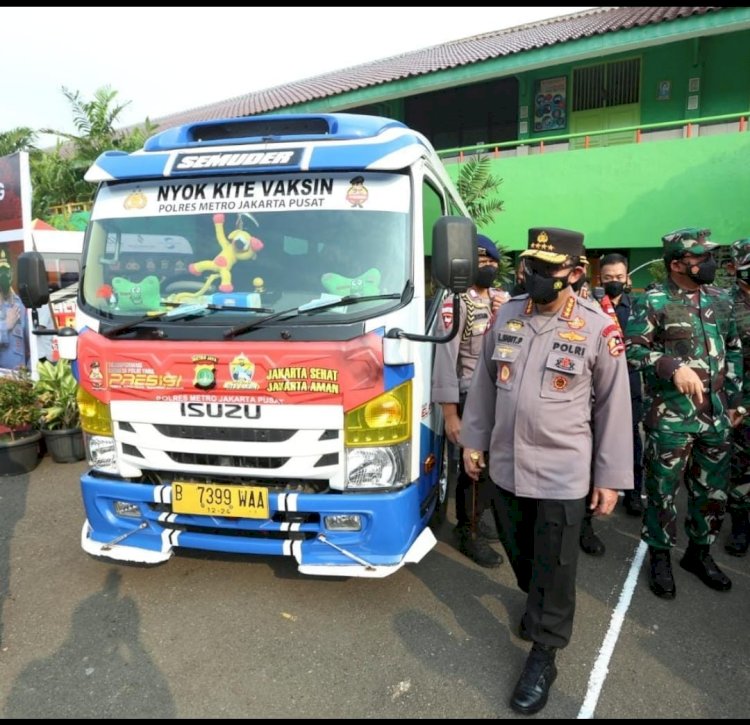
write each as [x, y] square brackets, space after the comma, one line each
[313, 306]
[180, 311]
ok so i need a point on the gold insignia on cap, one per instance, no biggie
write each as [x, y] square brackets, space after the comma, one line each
[542, 238]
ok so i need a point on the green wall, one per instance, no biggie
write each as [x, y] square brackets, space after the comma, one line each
[627, 196]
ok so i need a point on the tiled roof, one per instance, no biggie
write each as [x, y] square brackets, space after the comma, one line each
[463, 52]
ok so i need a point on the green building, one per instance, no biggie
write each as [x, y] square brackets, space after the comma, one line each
[624, 123]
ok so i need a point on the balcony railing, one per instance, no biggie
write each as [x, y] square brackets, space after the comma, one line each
[685, 128]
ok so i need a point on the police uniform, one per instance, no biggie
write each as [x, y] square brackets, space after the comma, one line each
[541, 380]
[452, 372]
[13, 342]
[672, 327]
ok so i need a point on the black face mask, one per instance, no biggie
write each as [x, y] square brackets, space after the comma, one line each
[615, 289]
[485, 276]
[743, 275]
[544, 290]
[706, 271]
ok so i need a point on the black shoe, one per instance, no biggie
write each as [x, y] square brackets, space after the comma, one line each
[523, 633]
[590, 543]
[739, 538]
[532, 689]
[633, 503]
[660, 577]
[698, 561]
[476, 548]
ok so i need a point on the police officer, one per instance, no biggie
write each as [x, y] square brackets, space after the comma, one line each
[454, 366]
[683, 337]
[551, 365]
[738, 506]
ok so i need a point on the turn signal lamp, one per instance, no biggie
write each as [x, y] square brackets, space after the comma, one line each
[385, 420]
[95, 417]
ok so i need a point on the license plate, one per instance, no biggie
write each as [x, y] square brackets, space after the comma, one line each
[214, 499]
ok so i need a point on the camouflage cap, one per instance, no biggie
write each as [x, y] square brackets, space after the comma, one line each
[554, 245]
[4, 259]
[741, 253]
[691, 240]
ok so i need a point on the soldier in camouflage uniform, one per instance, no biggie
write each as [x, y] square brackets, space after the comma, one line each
[683, 338]
[738, 506]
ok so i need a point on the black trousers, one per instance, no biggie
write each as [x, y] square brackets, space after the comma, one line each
[540, 537]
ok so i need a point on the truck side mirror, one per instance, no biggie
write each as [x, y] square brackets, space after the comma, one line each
[31, 280]
[454, 252]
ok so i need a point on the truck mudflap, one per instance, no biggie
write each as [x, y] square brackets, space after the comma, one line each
[393, 529]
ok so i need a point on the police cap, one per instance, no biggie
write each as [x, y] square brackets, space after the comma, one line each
[554, 246]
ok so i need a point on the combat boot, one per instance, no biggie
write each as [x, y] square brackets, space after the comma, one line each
[739, 537]
[633, 503]
[698, 561]
[590, 543]
[539, 672]
[660, 578]
[476, 547]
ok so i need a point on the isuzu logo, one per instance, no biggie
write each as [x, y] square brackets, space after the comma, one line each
[220, 410]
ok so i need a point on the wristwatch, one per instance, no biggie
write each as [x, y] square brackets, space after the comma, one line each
[741, 409]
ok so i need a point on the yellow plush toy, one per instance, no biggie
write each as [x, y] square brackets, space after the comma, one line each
[239, 246]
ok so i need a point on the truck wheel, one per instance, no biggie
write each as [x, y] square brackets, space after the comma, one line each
[440, 514]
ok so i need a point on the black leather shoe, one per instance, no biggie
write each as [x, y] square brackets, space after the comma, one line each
[660, 578]
[633, 503]
[590, 543]
[698, 561]
[486, 526]
[739, 537]
[476, 548]
[532, 689]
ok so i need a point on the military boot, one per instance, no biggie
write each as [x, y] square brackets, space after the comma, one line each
[698, 561]
[476, 547]
[590, 543]
[532, 689]
[660, 578]
[739, 537]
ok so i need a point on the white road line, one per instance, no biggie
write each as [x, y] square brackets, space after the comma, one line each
[601, 666]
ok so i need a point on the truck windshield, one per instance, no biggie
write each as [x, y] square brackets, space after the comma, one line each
[248, 242]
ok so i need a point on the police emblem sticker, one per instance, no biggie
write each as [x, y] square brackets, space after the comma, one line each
[615, 345]
[576, 323]
[503, 373]
[559, 383]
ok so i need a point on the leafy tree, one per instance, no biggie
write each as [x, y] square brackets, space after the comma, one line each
[478, 188]
[57, 175]
[17, 139]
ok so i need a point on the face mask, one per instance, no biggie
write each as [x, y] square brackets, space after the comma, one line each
[544, 290]
[615, 289]
[485, 276]
[706, 271]
[743, 275]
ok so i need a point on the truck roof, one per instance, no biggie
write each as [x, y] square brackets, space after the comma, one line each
[281, 142]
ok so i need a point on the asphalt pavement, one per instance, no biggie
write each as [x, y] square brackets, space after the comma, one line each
[214, 636]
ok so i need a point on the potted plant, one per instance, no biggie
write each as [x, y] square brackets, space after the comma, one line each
[56, 390]
[19, 415]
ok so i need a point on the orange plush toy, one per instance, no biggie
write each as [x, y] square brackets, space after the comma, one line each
[239, 246]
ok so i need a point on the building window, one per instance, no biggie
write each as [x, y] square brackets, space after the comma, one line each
[606, 85]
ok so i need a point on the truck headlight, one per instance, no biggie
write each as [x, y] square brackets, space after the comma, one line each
[101, 453]
[377, 467]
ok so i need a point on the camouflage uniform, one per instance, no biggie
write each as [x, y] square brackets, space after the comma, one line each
[739, 491]
[671, 327]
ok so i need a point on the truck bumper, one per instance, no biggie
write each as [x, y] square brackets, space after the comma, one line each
[393, 528]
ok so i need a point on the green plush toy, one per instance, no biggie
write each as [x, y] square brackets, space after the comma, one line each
[368, 283]
[143, 295]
